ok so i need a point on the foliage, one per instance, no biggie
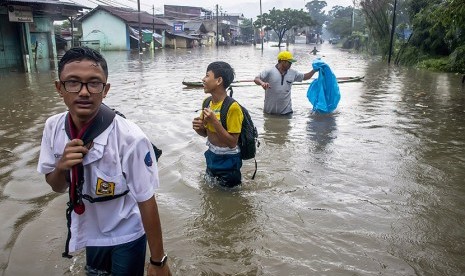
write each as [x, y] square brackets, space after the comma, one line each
[432, 31]
[449, 17]
[435, 64]
[340, 21]
[411, 55]
[283, 20]
[453, 63]
[378, 22]
[428, 33]
[315, 9]
[65, 25]
[438, 34]
[247, 29]
[356, 40]
[457, 60]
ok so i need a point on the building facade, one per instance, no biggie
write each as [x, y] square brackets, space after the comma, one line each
[27, 37]
[114, 28]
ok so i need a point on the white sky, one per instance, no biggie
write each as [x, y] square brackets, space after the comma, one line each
[250, 8]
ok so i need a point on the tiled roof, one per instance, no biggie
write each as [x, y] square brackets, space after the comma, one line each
[128, 15]
[47, 2]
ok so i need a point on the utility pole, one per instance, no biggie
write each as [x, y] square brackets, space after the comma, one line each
[217, 41]
[153, 28]
[353, 18]
[393, 29]
[140, 31]
[253, 28]
[72, 31]
[153, 21]
[262, 35]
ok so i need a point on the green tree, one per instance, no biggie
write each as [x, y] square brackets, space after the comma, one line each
[282, 21]
[450, 16]
[247, 29]
[378, 14]
[438, 35]
[340, 21]
[315, 9]
[62, 25]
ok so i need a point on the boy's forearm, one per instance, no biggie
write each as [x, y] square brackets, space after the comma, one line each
[229, 139]
[57, 180]
[152, 226]
[201, 132]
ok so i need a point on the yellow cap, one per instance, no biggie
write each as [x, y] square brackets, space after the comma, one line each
[286, 55]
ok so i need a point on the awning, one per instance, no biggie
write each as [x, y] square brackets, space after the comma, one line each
[134, 33]
[183, 35]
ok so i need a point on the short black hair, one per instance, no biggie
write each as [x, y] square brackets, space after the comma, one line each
[81, 53]
[224, 70]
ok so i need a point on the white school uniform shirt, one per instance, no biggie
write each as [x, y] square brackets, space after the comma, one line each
[121, 157]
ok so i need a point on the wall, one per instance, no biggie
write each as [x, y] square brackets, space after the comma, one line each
[10, 52]
[106, 28]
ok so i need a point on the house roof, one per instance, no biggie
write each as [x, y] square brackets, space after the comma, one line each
[193, 26]
[58, 8]
[130, 16]
[182, 35]
[51, 2]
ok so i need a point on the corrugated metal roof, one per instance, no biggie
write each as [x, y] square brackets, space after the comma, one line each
[183, 35]
[48, 2]
[129, 16]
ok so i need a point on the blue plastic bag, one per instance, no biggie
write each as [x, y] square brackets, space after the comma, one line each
[323, 92]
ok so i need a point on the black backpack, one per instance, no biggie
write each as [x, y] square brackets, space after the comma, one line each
[248, 139]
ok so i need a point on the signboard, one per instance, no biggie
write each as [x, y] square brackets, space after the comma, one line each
[178, 28]
[146, 37]
[20, 14]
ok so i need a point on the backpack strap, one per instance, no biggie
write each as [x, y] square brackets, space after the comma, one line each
[101, 121]
[227, 102]
[206, 102]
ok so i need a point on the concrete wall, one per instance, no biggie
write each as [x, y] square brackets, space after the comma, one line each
[10, 50]
[106, 28]
[23, 45]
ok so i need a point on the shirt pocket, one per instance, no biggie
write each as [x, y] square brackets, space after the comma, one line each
[107, 184]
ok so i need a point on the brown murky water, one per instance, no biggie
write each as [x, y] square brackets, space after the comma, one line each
[377, 188]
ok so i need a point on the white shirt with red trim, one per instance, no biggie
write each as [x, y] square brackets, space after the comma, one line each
[121, 158]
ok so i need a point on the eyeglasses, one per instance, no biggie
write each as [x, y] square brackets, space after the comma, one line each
[94, 87]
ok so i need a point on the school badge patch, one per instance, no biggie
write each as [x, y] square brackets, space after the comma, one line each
[148, 159]
[104, 188]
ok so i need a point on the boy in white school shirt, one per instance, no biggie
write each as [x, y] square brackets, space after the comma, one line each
[107, 164]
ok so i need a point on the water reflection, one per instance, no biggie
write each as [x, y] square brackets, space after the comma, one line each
[276, 128]
[226, 231]
[321, 129]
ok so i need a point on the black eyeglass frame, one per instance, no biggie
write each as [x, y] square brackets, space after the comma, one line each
[82, 84]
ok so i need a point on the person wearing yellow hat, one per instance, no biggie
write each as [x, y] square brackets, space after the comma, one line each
[277, 82]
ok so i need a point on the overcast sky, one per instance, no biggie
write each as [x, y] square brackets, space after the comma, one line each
[250, 8]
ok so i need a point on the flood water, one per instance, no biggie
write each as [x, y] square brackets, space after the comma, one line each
[377, 188]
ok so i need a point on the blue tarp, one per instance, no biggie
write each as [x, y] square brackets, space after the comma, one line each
[323, 92]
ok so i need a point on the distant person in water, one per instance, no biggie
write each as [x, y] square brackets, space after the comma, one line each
[314, 51]
[277, 82]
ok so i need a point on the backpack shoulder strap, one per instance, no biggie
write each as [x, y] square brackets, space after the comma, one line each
[206, 102]
[102, 120]
[227, 102]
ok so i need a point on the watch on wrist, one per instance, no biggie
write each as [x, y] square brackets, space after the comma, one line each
[161, 263]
